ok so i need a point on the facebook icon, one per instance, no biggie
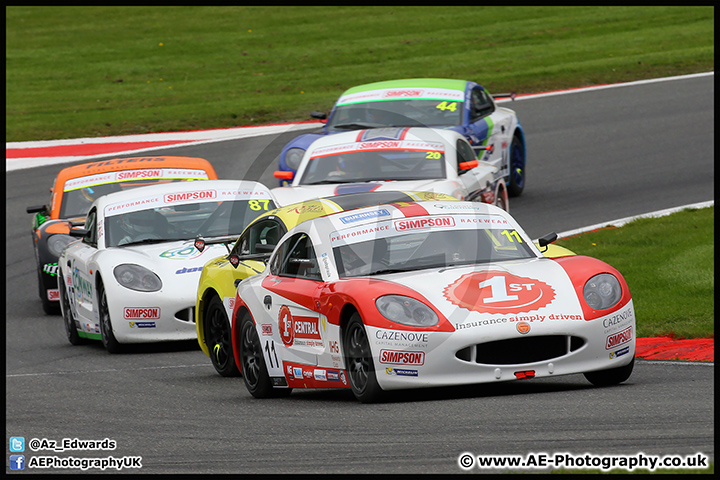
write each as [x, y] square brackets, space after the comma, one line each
[17, 462]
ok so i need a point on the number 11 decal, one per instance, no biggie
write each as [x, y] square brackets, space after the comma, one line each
[513, 236]
[270, 350]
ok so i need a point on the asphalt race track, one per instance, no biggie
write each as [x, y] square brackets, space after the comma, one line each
[594, 156]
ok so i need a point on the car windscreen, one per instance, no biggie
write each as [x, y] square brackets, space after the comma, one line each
[183, 222]
[396, 113]
[377, 165]
[79, 193]
[419, 250]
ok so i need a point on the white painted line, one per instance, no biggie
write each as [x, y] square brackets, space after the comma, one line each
[604, 87]
[207, 136]
[83, 372]
[623, 221]
[676, 362]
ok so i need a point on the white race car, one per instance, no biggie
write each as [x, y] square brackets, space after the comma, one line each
[426, 294]
[418, 159]
[133, 277]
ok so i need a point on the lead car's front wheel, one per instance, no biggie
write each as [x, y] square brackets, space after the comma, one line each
[613, 376]
[254, 370]
[359, 362]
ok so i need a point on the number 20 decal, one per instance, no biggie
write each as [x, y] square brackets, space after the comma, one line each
[499, 292]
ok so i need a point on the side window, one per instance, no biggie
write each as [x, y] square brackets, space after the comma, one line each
[481, 104]
[296, 258]
[265, 232]
[90, 225]
[465, 153]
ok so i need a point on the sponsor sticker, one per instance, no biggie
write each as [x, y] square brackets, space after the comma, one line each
[499, 292]
[619, 338]
[364, 216]
[377, 145]
[185, 196]
[401, 372]
[619, 353]
[523, 327]
[130, 313]
[142, 325]
[298, 330]
[403, 94]
[401, 357]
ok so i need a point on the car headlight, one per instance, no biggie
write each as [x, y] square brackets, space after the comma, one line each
[57, 243]
[293, 157]
[406, 310]
[137, 278]
[602, 291]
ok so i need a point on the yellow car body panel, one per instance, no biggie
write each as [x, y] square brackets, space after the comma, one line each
[555, 251]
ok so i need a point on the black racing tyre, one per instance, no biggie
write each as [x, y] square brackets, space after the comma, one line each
[108, 338]
[218, 338]
[359, 362]
[254, 370]
[517, 168]
[501, 201]
[70, 327]
[613, 376]
[49, 307]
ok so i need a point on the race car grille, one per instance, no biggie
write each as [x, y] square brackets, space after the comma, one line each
[517, 351]
[186, 314]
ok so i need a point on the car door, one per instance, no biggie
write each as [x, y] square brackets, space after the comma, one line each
[475, 179]
[79, 279]
[291, 291]
[489, 127]
[258, 239]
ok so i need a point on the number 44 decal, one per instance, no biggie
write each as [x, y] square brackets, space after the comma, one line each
[499, 292]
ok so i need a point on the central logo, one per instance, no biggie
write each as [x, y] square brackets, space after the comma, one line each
[296, 328]
[499, 292]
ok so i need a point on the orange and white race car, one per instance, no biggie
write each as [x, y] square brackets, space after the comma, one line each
[74, 190]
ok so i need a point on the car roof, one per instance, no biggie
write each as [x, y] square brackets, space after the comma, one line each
[362, 224]
[168, 194]
[392, 134]
[410, 83]
[367, 215]
[296, 213]
[133, 163]
[122, 164]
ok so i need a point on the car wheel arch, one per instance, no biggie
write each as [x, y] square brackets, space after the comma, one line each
[203, 301]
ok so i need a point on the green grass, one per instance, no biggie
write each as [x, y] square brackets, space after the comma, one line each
[669, 265]
[93, 71]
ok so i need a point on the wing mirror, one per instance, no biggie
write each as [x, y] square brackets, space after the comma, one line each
[78, 232]
[546, 240]
[36, 208]
[464, 166]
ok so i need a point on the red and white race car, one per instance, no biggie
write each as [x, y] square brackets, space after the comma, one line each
[427, 294]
